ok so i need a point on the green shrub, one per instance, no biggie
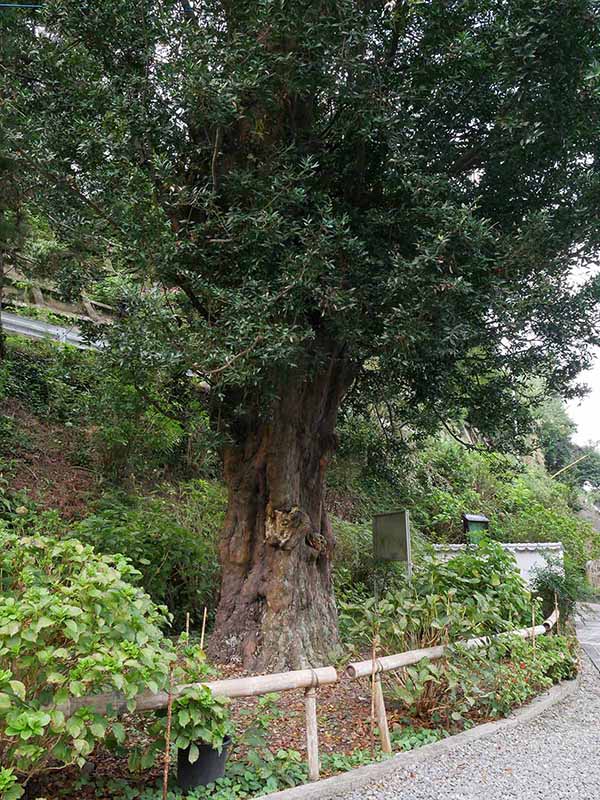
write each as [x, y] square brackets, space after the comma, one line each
[71, 624]
[49, 379]
[472, 685]
[565, 586]
[353, 556]
[479, 592]
[130, 429]
[9, 787]
[129, 435]
[171, 538]
[482, 580]
[492, 681]
[535, 508]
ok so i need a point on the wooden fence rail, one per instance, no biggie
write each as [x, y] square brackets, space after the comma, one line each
[362, 669]
[307, 679]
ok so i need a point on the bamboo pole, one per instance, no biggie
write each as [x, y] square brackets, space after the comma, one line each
[382, 723]
[234, 687]
[572, 464]
[203, 628]
[281, 681]
[373, 673]
[362, 669]
[312, 733]
[167, 755]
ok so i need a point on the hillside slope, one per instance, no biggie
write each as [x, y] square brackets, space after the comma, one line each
[82, 454]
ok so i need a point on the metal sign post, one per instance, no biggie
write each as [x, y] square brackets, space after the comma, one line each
[391, 539]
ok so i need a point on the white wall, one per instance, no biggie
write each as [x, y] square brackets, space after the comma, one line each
[528, 555]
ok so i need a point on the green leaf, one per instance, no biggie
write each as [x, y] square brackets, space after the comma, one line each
[18, 688]
[98, 729]
[118, 731]
[183, 717]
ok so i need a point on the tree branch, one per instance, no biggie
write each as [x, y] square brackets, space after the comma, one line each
[467, 445]
[234, 358]
[215, 159]
[468, 160]
[196, 304]
[393, 46]
[73, 188]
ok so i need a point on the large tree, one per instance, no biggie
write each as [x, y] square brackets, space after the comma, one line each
[321, 197]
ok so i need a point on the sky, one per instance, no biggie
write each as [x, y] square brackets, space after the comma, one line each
[585, 413]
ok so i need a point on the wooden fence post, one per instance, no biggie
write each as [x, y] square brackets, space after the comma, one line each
[312, 734]
[382, 723]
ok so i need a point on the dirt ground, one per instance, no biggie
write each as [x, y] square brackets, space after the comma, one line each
[42, 463]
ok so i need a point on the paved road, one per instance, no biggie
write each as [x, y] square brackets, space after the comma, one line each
[553, 757]
[588, 632]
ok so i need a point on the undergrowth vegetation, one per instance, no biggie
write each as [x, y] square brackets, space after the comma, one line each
[477, 593]
[72, 624]
[94, 603]
[170, 537]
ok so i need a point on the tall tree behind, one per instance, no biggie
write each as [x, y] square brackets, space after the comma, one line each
[13, 227]
[12, 224]
[319, 197]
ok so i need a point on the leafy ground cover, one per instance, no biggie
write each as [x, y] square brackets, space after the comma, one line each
[66, 472]
[72, 623]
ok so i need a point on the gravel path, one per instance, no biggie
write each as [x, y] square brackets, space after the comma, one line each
[554, 757]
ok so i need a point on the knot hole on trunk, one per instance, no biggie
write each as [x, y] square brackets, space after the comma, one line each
[317, 543]
[286, 528]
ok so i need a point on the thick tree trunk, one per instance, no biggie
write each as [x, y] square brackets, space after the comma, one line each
[277, 609]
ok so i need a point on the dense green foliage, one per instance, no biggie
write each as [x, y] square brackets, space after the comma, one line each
[48, 379]
[170, 538]
[474, 685]
[72, 624]
[119, 431]
[555, 586]
[477, 593]
[188, 142]
[575, 464]
[438, 483]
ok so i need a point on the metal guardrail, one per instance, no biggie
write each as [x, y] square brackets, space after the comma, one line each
[39, 329]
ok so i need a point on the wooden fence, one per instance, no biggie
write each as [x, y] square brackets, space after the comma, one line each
[307, 679]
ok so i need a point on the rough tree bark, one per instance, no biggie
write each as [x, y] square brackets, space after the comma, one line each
[277, 609]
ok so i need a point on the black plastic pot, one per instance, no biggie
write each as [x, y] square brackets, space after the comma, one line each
[209, 766]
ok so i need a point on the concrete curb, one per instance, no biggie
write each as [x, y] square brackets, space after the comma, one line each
[371, 773]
